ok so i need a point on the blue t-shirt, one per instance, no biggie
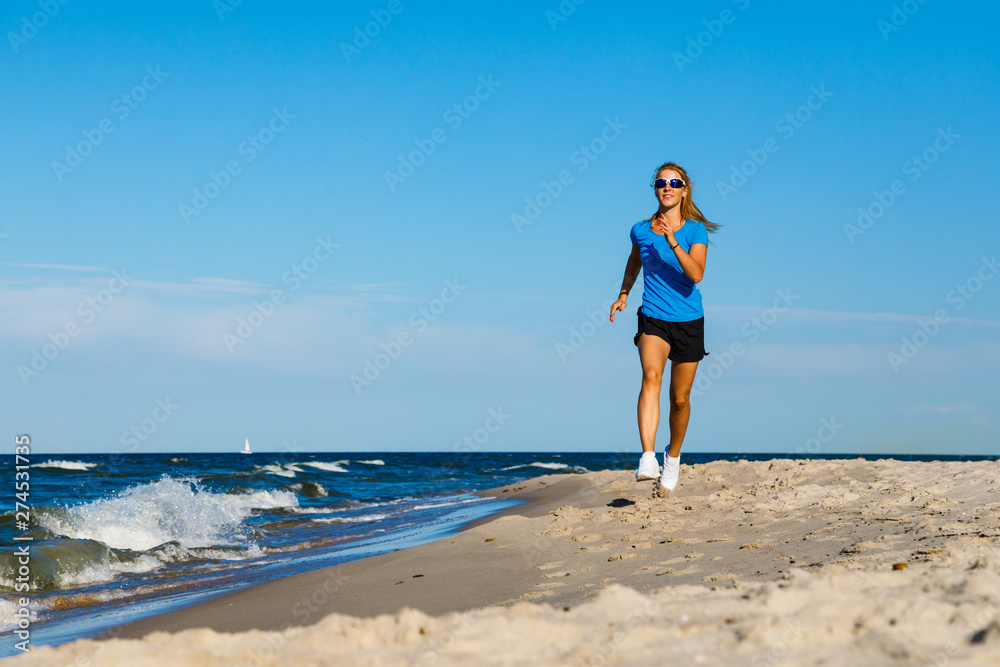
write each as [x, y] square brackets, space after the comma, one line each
[667, 293]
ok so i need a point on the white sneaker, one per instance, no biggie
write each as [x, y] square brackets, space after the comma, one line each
[671, 472]
[648, 467]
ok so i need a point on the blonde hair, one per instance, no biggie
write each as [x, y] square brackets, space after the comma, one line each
[689, 210]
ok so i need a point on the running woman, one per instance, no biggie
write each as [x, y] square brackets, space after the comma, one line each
[670, 248]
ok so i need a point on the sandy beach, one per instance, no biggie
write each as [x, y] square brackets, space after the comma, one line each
[778, 562]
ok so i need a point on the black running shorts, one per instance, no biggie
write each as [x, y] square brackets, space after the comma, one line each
[686, 339]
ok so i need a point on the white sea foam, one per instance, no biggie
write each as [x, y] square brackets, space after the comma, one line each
[8, 613]
[328, 467]
[65, 465]
[275, 469]
[446, 504]
[342, 508]
[373, 462]
[168, 510]
[539, 464]
[354, 519]
[109, 571]
[100, 572]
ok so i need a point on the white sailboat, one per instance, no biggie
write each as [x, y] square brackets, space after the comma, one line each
[246, 447]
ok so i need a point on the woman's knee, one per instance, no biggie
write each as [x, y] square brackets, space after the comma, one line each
[651, 376]
[680, 399]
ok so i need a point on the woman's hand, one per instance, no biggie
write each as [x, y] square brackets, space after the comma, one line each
[662, 227]
[618, 305]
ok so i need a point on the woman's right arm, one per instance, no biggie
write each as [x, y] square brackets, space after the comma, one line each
[632, 269]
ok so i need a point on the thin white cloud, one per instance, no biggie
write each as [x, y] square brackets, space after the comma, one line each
[939, 409]
[226, 285]
[60, 267]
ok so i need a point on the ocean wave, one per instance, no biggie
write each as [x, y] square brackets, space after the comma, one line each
[169, 510]
[286, 470]
[373, 462]
[311, 489]
[328, 467]
[65, 465]
[62, 563]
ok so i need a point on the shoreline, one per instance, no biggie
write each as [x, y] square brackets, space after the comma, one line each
[358, 587]
[744, 559]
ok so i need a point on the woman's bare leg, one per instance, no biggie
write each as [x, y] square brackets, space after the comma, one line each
[653, 353]
[681, 381]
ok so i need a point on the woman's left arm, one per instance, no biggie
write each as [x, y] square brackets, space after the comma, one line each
[692, 261]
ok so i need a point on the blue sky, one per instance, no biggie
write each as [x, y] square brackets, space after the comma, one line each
[171, 172]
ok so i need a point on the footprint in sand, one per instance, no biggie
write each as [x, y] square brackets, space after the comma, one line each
[552, 565]
[536, 595]
[549, 585]
[643, 545]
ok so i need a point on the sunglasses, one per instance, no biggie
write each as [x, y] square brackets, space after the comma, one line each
[673, 182]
